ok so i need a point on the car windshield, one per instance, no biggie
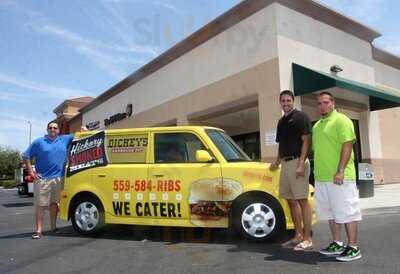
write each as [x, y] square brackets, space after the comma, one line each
[229, 149]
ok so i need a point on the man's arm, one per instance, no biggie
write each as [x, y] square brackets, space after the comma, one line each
[275, 165]
[30, 171]
[305, 149]
[345, 155]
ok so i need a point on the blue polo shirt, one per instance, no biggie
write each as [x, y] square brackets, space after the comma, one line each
[50, 155]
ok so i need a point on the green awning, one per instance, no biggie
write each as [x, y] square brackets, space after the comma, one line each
[306, 80]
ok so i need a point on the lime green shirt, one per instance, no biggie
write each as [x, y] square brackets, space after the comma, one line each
[328, 136]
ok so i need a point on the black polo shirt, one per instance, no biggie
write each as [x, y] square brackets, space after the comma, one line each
[289, 131]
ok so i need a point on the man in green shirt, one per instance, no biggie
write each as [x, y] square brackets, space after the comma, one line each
[336, 194]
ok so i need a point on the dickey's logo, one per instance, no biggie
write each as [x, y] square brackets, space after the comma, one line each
[130, 148]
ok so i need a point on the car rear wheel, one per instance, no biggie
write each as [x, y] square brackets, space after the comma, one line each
[87, 215]
[21, 190]
[258, 218]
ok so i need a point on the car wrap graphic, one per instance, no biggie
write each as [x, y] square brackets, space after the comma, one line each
[86, 153]
[99, 150]
[208, 201]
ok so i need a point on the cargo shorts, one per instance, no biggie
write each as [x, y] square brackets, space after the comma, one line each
[290, 187]
[47, 191]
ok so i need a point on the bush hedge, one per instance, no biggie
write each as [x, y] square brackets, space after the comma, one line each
[7, 183]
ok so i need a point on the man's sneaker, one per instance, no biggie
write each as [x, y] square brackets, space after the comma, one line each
[349, 254]
[333, 249]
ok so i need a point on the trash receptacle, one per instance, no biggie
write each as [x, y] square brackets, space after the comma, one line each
[365, 180]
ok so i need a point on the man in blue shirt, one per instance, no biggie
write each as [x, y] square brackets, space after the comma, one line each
[50, 154]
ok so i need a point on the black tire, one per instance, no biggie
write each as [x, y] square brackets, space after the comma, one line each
[87, 215]
[271, 216]
[20, 190]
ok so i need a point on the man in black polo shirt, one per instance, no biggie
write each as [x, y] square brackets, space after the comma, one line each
[293, 136]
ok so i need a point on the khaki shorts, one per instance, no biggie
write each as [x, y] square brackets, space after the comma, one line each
[337, 202]
[47, 191]
[290, 187]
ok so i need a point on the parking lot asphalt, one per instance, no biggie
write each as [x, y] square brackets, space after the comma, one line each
[134, 249]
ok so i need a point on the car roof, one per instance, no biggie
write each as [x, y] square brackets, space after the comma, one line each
[145, 130]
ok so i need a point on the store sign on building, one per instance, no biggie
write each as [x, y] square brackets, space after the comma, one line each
[119, 116]
[93, 125]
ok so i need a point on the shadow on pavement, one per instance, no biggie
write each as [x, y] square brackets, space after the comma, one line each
[176, 235]
[275, 252]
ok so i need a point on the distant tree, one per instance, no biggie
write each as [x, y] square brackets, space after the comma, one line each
[10, 159]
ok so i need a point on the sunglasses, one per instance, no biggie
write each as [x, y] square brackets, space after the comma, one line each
[52, 128]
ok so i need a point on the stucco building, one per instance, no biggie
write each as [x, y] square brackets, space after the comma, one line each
[229, 74]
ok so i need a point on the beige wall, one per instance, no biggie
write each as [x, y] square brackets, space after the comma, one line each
[316, 45]
[390, 134]
[75, 124]
[387, 75]
[387, 167]
[245, 45]
[261, 81]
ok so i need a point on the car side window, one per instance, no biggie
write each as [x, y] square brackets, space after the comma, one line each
[176, 147]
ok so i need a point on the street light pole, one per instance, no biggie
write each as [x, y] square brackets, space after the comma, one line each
[30, 132]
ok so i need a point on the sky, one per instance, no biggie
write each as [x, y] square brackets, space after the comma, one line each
[51, 51]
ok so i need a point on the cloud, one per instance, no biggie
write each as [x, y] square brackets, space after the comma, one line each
[124, 29]
[76, 40]
[168, 6]
[95, 51]
[15, 133]
[108, 57]
[160, 3]
[14, 128]
[14, 97]
[48, 90]
[9, 116]
[365, 11]
[389, 43]
[101, 60]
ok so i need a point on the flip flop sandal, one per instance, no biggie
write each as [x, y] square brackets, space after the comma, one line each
[36, 235]
[304, 246]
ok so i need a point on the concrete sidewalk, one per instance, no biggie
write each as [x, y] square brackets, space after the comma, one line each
[385, 196]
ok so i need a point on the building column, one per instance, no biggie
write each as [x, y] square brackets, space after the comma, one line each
[270, 112]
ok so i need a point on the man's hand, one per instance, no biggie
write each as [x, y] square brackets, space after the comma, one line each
[339, 177]
[35, 176]
[83, 128]
[300, 170]
[274, 166]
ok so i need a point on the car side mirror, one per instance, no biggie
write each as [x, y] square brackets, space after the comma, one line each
[203, 156]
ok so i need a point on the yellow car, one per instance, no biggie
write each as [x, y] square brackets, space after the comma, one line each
[170, 176]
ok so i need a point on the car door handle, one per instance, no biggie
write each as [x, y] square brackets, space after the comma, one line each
[101, 175]
[159, 175]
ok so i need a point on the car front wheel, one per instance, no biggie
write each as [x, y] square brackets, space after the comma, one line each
[87, 216]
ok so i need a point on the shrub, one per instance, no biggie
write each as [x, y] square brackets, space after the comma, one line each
[8, 183]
